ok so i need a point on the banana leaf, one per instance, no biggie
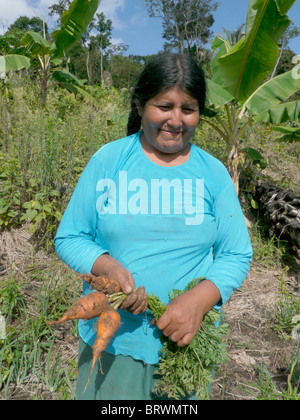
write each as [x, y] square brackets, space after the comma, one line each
[74, 85]
[288, 111]
[216, 95]
[13, 62]
[73, 24]
[64, 76]
[290, 134]
[251, 60]
[273, 92]
[255, 156]
[218, 44]
[37, 45]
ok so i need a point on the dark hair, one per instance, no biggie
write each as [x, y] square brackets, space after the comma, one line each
[161, 74]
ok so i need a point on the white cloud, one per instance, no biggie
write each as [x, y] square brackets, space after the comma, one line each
[117, 41]
[10, 10]
[110, 8]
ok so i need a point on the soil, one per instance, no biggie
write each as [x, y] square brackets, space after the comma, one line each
[252, 340]
[253, 343]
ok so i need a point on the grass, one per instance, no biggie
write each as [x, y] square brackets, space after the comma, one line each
[32, 365]
[266, 388]
[268, 252]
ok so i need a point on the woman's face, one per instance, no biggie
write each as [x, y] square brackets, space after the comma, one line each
[169, 121]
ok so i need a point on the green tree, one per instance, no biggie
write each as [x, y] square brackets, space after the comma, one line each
[59, 8]
[25, 24]
[125, 71]
[186, 23]
[100, 42]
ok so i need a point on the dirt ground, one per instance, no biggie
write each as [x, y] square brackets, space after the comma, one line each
[251, 340]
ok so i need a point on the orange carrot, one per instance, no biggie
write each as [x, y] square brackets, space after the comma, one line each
[101, 283]
[87, 307]
[108, 323]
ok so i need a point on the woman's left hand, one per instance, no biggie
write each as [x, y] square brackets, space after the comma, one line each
[183, 316]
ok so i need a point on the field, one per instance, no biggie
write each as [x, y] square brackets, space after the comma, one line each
[42, 155]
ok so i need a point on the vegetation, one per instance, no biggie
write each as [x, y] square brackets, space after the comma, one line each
[45, 144]
[187, 371]
[241, 90]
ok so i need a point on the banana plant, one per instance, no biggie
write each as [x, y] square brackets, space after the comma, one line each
[288, 134]
[46, 56]
[240, 92]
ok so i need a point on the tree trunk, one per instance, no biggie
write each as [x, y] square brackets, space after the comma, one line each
[233, 165]
[44, 88]
[88, 67]
[101, 66]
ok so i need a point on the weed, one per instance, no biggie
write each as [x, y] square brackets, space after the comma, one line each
[287, 307]
[12, 301]
[266, 388]
[267, 252]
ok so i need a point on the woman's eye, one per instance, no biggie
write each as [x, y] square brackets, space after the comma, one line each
[188, 110]
[164, 107]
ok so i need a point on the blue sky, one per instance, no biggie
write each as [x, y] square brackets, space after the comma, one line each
[144, 34]
[132, 24]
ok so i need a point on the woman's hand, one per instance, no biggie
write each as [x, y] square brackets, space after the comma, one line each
[183, 316]
[136, 302]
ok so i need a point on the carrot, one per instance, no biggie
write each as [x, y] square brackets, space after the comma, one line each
[87, 307]
[108, 323]
[101, 283]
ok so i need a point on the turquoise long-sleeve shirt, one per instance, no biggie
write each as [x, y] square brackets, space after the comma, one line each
[166, 225]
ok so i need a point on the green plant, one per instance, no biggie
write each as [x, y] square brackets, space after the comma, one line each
[53, 374]
[289, 134]
[189, 370]
[21, 351]
[46, 57]
[268, 252]
[240, 91]
[12, 301]
[11, 182]
[44, 214]
[28, 358]
[267, 389]
[287, 307]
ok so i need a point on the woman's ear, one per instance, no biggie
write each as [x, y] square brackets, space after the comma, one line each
[139, 108]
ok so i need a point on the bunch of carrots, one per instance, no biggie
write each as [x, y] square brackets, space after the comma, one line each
[103, 302]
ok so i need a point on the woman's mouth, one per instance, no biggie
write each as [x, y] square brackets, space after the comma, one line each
[172, 132]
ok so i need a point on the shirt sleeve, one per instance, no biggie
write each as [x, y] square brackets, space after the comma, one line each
[75, 238]
[232, 248]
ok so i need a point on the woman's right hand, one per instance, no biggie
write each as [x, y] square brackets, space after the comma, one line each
[136, 302]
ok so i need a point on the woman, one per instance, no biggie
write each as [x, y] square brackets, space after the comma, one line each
[154, 211]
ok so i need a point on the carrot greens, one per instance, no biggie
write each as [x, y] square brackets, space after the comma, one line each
[186, 371]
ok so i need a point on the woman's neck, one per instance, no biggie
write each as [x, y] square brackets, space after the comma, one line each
[165, 159]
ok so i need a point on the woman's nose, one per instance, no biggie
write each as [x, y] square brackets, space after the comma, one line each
[175, 119]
